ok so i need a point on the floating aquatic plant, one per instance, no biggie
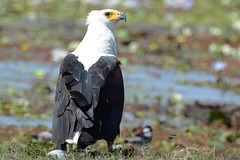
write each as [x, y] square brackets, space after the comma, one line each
[213, 48]
[227, 50]
[219, 65]
[236, 25]
[58, 54]
[215, 31]
[73, 45]
[179, 4]
[177, 98]
[134, 47]
[39, 73]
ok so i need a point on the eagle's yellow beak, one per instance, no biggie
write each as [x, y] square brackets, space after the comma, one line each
[116, 16]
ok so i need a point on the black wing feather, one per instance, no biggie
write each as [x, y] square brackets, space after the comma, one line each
[110, 107]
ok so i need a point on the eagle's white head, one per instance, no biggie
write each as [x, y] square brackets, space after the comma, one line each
[99, 39]
[106, 17]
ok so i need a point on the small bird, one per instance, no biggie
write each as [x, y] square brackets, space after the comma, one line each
[45, 135]
[172, 136]
[141, 139]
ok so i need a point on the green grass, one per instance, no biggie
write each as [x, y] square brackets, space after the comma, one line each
[15, 150]
[197, 142]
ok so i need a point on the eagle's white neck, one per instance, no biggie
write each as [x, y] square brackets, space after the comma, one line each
[98, 41]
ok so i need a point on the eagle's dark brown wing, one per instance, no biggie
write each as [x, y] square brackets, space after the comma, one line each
[90, 102]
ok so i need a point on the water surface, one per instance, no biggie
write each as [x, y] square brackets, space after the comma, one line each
[145, 84]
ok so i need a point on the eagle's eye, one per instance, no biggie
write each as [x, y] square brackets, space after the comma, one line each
[107, 14]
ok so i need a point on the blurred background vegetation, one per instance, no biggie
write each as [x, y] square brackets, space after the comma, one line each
[221, 13]
[188, 38]
[194, 31]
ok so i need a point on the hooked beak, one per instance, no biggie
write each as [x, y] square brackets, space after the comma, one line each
[122, 16]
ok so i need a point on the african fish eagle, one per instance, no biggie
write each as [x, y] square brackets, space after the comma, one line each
[90, 91]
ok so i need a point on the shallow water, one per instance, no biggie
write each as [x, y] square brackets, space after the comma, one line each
[142, 83]
[19, 121]
[20, 74]
[129, 120]
[147, 83]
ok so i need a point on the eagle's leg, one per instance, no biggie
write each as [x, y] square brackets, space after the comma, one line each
[110, 146]
[80, 144]
[62, 146]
